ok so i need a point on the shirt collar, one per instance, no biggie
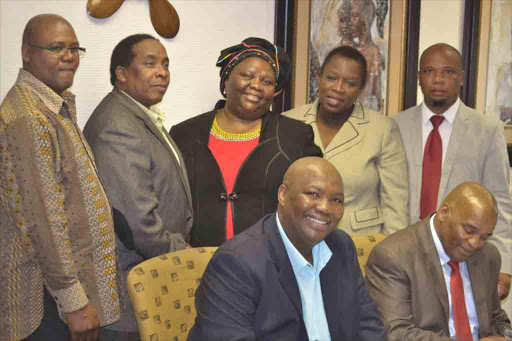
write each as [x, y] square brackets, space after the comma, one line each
[50, 98]
[321, 252]
[449, 115]
[439, 246]
[154, 113]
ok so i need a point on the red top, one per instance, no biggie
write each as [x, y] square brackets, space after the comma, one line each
[230, 155]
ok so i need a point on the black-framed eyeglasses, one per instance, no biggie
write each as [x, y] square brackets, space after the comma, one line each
[62, 50]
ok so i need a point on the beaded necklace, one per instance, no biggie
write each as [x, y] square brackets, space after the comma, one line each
[226, 136]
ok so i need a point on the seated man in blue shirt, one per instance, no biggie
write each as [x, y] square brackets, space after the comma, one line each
[291, 276]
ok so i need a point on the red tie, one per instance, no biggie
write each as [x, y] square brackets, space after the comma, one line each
[432, 161]
[460, 315]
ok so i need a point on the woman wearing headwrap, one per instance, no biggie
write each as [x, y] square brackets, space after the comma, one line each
[363, 145]
[236, 154]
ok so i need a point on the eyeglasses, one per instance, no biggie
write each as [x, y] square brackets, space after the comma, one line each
[62, 50]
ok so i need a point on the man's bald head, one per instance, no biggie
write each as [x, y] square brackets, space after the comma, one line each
[301, 167]
[49, 51]
[465, 220]
[444, 49]
[39, 23]
[474, 195]
[311, 202]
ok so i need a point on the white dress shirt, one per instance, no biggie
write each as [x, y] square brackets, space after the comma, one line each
[445, 129]
[466, 283]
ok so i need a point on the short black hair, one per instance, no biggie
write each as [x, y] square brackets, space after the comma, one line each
[350, 53]
[123, 53]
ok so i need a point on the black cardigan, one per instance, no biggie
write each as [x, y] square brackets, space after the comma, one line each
[282, 141]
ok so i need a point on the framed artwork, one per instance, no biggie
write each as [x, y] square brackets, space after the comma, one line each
[377, 28]
[283, 36]
[493, 53]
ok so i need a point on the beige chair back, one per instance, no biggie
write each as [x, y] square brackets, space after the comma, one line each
[364, 245]
[162, 291]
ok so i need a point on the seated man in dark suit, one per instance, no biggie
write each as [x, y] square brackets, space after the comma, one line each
[292, 275]
[437, 279]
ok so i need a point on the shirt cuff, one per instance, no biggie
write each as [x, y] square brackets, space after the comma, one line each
[70, 299]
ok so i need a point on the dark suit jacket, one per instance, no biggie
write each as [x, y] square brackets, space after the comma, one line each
[282, 141]
[406, 280]
[249, 292]
[147, 187]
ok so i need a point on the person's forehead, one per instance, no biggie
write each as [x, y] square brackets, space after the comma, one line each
[443, 56]
[255, 60]
[149, 47]
[320, 178]
[55, 30]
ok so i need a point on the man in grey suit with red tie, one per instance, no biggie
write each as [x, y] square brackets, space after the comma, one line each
[437, 279]
[447, 143]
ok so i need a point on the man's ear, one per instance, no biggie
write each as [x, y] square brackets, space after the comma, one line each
[121, 74]
[281, 193]
[443, 211]
[25, 55]
[461, 79]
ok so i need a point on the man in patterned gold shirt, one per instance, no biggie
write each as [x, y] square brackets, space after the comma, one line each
[57, 249]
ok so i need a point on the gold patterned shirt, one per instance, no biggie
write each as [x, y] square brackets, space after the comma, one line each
[56, 222]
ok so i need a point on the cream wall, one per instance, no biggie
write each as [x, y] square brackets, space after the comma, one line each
[441, 21]
[207, 26]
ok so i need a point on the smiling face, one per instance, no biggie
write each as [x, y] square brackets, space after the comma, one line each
[340, 84]
[440, 77]
[250, 89]
[311, 203]
[147, 77]
[464, 228]
[57, 72]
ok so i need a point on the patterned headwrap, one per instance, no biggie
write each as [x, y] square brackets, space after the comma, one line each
[255, 47]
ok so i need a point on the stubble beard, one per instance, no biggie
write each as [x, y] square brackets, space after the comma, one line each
[439, 103]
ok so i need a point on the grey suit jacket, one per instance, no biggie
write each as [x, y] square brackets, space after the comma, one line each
[147, 187]
[406, 280]
[477, 152]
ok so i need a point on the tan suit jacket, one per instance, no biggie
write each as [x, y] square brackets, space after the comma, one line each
[368, 153]
[406, 280]
[477, 152]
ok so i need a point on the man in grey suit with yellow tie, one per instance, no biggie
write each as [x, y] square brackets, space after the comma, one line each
[447, 143]
[437, 279]
[140, 165]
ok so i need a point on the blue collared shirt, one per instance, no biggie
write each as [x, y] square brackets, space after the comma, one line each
[466, 283]
[308, 280]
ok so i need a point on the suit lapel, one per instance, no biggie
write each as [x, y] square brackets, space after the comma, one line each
[479, 286]
[350, 134]
[460, 125]
[416, 137]
[283, 265]
[181, 166]
[433, 265]
[139, 113]
[333, 294]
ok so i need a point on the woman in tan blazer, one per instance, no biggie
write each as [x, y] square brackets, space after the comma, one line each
[362, 144]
